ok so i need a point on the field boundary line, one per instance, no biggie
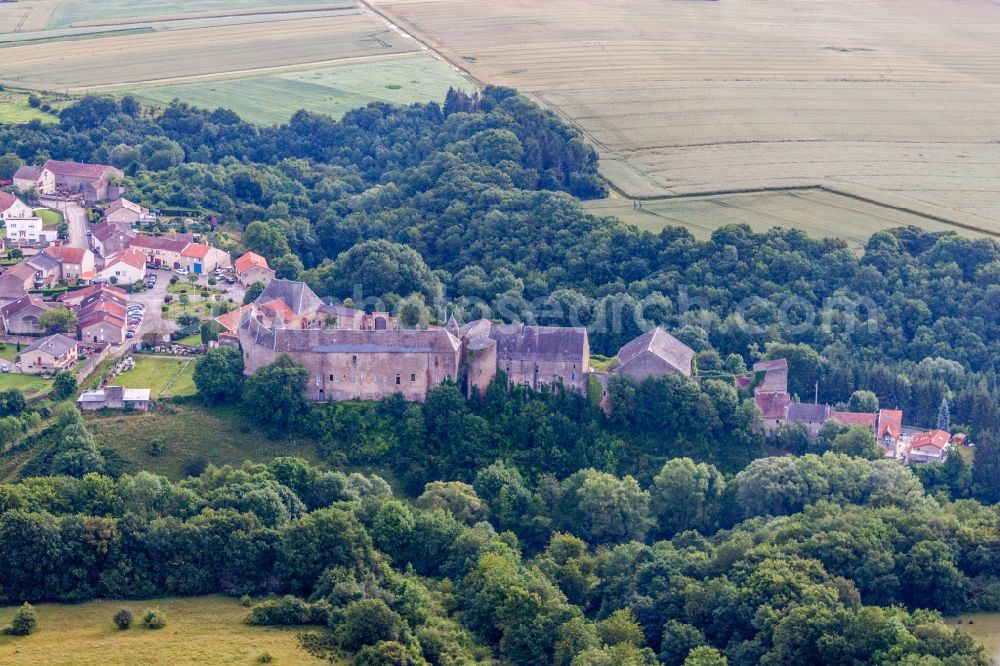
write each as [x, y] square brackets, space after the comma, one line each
[817, 187]
[249, 11]
[246, 73]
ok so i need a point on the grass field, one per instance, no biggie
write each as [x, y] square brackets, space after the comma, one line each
[985, 628]
[50, 218]
[30, 385]
[895, 98]
[15, 109]
[165, 376]
[189, 432]
[819, 213]
[200, 630]
[75, 11]
[332, 90]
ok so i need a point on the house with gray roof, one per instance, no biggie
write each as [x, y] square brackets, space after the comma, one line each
[49, 354]
[811, 416]
[653, 354]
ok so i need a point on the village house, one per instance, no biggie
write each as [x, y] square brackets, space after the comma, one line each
[21, 317]
[76, 263]
[889, 430]
[124, 267]
[101, 317]
[808, 414]
[107, 238]
[160, 251]
[771, 391]
[35, 179]
[123, 211]
[73, 299]
[251, 268]
[652, 354]
[114, 397]
[48, 270]
[13, 208]
[200, 258]
[55, 352]
[931, 446]
[96, 182]
[17, 280]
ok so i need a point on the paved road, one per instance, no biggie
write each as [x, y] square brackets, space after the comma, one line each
[76, 221]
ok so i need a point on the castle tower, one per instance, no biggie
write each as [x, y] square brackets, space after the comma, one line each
[481, 364]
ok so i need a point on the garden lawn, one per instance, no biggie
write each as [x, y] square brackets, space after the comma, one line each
[200, 630]
[165, 376]
[30, 385]
[50, 218]
[14, 110]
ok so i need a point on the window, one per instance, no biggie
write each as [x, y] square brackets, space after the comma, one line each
[397, 380]
[413, 377]
[354, 361]
[331, 378]
[435, 361]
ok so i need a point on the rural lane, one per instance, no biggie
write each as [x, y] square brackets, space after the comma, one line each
[76, 220]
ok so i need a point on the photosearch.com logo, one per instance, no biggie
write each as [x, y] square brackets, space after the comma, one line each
[790, 316]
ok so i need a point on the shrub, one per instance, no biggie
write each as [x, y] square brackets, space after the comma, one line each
[286, 612]
[123, 618]
[245, 601]
[24, 622]
[34, 101]
[265, 658]
[165, 308]
[154, 619]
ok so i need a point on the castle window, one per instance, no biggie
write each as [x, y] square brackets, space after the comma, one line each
[573, 376]
[354, 361]
[397, 380]
[413, 377]
[435, 361]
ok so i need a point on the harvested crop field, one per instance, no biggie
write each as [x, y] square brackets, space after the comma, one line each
[891, 99]
[218, 51]
[820, 213]
[69, 12]
[332, 90]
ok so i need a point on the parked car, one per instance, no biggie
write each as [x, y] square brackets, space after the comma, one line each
[182, 271]
[4, 368]
[130, 334]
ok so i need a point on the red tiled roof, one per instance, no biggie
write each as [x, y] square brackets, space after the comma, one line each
[159, 243]
[129, 256]
[890, 421]
[6, 200]
[121, 203]
[936, 438]
[28, 172]
[95, 317]
[80, 170]
[21, 270]
[196, 250]
[66, 254]
[249, 260]
[231, 320]
[26, 301]
[102, 231]
[88, 291]
[110, 307]
[278, 308]
[772, 404]
[855, 418]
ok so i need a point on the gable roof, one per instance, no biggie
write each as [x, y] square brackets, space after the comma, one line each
[103, 231]
[28, 172]
[855, 418]
[890, 422]
[81, 170]
[936, 438]
[7, 200]
[772, 404]
[231, 320]
[21, 271]
[43, 262]
[807, 412]
[66, 254]
[123, 203]
[196, 250]
[539, 343]
[775, 375]
[23, 303]
[90, 291]
[57, 345]
[664, 346]
[129, 256]
[248, 261]
[279, 309]
[296, 295]
[159, 243]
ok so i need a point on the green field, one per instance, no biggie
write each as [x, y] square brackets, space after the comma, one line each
[985, 628]
[331, 90]
[165, 376]
[188, 432]
[200, 630]
[14, 109]
[74, 11]
[31, 385]
[50, 218]
[820, 213]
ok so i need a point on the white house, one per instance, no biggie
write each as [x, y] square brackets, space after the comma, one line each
[13, 208]
[24, 231]
[123, 211]
[37, 178]
[124, 267]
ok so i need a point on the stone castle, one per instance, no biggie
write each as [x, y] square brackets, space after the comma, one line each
[351, 354]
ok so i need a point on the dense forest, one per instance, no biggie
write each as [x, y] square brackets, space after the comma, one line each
[521, 526]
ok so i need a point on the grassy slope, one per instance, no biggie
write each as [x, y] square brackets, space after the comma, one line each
[188, 432]
[200, 630]
[30, 384]
[985, 628]
[165, 376]
[50, 218]
[331, 90]
[15, 110]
